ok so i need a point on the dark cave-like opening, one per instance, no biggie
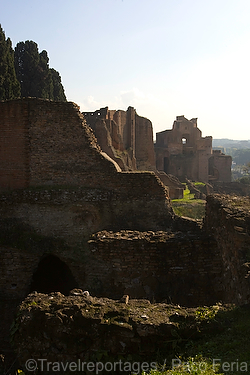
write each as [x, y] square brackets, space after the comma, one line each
[52, 275]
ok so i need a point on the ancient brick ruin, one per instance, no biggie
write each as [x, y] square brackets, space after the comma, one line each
[71, 218]
[184, 153]
[125, 137]
[178, 154]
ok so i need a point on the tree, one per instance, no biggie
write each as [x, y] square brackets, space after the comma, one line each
[9, 85]
[34, 74]
[246, 168]
[58, 91]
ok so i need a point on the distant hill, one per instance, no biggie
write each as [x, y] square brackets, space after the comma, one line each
[239, 150]
[230, 143]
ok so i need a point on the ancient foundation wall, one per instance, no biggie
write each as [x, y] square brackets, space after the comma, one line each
[94, 333]
[179, 268]
[184, 266]
[228, 220]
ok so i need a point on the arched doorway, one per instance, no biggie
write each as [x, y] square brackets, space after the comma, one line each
[52, 275]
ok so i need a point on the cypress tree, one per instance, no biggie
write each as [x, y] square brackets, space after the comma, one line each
[58, 90]
[34, 74]
[9, 85]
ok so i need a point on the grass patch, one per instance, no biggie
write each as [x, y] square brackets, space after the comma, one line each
[188, 206]
[199, 183]
[191, 366]
[225, 351]
[187, 195]
[194, 208]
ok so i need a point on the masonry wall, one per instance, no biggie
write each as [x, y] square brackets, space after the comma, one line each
[63, 149]
[228, 219]
[222, 163]
[182, 269]
[14, 146]
[184, 265]
[144, 150]
[124, 135]
[184, 153]
[65, 189]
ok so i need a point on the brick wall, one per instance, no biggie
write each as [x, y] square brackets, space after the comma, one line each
[63, 148]
[14, 147]
[183, 269]
[183, 266]
[144, 150]
[223, 164]
[228, 220]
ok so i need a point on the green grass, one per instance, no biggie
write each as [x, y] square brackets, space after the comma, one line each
[199, 183]
[187, 194]
[188, 206]
[193, 208]
[192, 366]
[222, 351]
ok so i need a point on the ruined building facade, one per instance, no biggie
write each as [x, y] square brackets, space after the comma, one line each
[184, 153]
[128, 139]
[180, 152]
[125, 136]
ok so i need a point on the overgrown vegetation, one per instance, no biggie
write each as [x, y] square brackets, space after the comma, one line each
[188, 206]
[222, 351]
[222, 348]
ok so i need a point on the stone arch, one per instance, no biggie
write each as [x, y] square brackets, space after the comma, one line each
[52, 275]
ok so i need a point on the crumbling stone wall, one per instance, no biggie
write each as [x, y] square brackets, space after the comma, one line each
[158, 266]
[228, 219]
[125, 136]
[49, 143]
[230, 188]
[57, 188]
[128, 139]
[101, 332]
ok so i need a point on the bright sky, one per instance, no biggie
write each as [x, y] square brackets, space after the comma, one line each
[164, 57]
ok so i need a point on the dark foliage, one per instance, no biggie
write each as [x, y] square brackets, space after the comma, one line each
[9, 85]
[34, 74]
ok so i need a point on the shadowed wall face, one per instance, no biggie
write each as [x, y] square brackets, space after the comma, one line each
[14, 145]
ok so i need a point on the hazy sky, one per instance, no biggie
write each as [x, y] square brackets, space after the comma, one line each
[163, 57]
